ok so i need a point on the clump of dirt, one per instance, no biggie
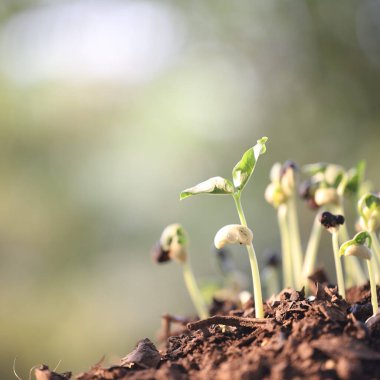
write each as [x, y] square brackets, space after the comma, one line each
[317, 337]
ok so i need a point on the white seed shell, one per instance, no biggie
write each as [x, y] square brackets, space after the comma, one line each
[233, 234]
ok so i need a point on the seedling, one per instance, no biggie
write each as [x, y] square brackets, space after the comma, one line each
[325, 189]
[173, 245]
[369, 211]
[241, 174]
[281, 194]
[332, 222]
[357, 247]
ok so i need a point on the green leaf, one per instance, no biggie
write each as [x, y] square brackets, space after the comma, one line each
[372, 201]
[214, 185]
[245, 167]
[361, 237]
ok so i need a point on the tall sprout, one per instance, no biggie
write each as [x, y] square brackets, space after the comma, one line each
[332, 223]
[325, 190]
[281, 194]
[369, 211]
[241, 174]
[360, 247]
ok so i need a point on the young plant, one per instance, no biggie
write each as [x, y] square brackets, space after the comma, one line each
[357, 247]
[280, 193]
[241, 174]
[332, 222]
[173, 245]
[325, 189]
[369, 211]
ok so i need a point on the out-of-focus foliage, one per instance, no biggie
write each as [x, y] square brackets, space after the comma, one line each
[108, 109]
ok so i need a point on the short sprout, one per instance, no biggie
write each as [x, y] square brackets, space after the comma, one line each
[174, 241]
[369, 211]
[233, 234]
[173, 245]
[360, 246]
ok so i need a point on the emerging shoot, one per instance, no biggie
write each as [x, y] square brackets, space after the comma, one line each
[369, 211]
[357, 247]
[332, 222]
[241, 174]
[280, 193]
[325, 189]
[173, 245]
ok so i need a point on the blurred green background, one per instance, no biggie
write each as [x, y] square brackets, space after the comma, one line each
[108, 109]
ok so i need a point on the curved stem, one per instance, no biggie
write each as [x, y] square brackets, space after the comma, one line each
[194, 291]
[372, 283]
[287, 268]
[259, 308]
[354, 270]
[312, 248]
[338, 265]
[295, 241]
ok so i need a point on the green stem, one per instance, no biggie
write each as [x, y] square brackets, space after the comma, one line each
[372, 283]
[376, 249]
[258, 297]
[259, 308]
[240, 211]
[338, 265]
[354, 270]
[295, 241]
[287, 267]
[312, 248]
[194, 291]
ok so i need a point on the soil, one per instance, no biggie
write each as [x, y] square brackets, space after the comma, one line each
[316, 337]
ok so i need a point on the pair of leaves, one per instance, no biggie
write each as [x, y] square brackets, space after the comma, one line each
[241, 174]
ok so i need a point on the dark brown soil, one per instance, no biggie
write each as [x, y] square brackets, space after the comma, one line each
[319, 337]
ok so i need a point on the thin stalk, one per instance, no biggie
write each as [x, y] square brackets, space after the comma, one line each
[376, 249]
[259, 308]
[354, 270]
[258, 297]
[312, 248]
[338, 265]
[287, 267]
[194, 291]
[240, 211]
[295, 241]
[372, 283]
